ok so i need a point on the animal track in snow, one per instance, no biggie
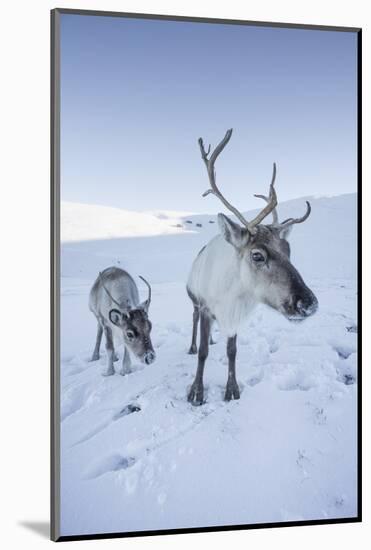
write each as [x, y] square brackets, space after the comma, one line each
[348, 379]
[125, 411]
[344, 351]
[255, 379]
[128, 409]
[73, 400]
[111, 463]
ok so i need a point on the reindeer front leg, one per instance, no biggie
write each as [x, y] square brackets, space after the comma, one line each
[196, 393]
[96, 355]
[232, 390]
[110, 352]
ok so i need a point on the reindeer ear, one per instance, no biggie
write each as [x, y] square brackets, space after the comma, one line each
[286, 232]
[116, 317]
[232, 232]
[144, 306]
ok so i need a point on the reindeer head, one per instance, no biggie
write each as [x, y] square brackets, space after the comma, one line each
[136, 328]
[263, 250]
[267, 270]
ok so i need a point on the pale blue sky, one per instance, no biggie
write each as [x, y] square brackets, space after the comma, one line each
[137, 94]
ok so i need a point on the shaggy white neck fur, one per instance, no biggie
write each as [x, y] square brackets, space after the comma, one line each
[221, 282]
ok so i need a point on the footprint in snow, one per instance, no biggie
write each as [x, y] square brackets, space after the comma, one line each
[128, 409]
[344, 351]
[348, 379]
[273, 346]
[111, 463]
[255, 379]
[73, 400]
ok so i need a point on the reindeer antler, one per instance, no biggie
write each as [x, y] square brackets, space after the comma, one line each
[274, 211]
[209, 162]
[271, 202]
[148, 301]
[291, 221]
[108, 292]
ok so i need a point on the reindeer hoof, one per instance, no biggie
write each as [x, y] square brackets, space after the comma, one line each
[108, 372]
[232, 391]
[125, 372]
[95, 357]
[192, 350]
[196, 394]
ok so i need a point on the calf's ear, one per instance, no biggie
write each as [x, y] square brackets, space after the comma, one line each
[144, 306]
[233, 233]
[116, 317]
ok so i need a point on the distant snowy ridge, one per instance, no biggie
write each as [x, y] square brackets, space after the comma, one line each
[329, 235]
[82, 222]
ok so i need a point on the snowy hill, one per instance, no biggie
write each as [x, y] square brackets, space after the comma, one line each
[136, 455]
[81, 222]
[329, 234]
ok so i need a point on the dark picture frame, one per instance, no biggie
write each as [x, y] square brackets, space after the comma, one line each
[55, 272]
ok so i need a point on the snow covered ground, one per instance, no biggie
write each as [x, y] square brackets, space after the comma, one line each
[135, 455]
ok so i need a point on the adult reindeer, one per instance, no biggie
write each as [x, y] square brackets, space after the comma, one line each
[245, 265]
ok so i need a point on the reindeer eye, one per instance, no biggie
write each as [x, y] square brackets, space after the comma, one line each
[257, 257]
[130, 334]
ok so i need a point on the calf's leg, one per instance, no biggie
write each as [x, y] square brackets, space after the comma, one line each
[126, 363]
[110, 352]
[96, 355]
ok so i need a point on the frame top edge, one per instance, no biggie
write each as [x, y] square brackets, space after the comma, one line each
[197, 19]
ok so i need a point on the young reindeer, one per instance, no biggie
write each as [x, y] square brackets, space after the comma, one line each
[114, 300]
[244, 265]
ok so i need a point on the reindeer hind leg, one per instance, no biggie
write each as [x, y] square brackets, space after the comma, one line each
[196, 317]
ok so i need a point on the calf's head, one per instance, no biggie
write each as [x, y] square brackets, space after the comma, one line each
[136, 328]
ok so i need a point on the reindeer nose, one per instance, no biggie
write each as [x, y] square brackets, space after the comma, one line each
[306, 305]
[149, 357]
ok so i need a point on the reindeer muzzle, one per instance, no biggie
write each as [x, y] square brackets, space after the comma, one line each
[306, 308]
[302, 306]
[149, 357]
